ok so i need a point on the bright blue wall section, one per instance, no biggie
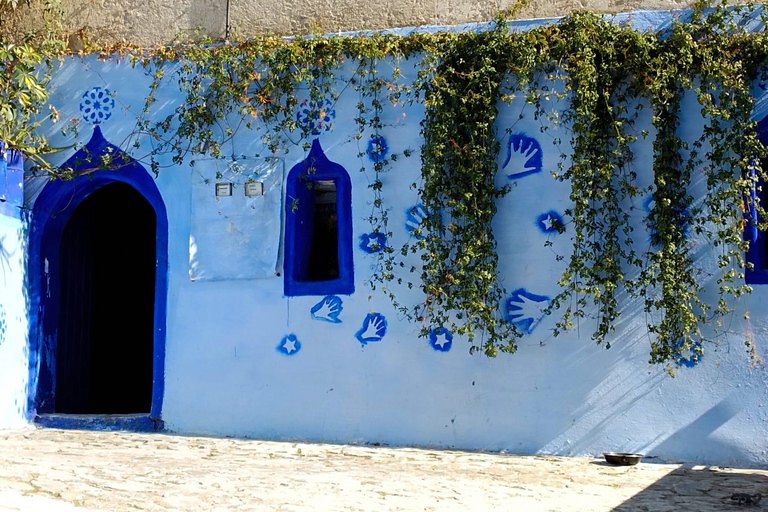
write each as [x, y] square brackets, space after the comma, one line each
[52, 210]
[11, 183]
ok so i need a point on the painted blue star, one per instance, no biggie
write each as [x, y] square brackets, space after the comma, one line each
[289, 345]
[441, 339]
[373, 242]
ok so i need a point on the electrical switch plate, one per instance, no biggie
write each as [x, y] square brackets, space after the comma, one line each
[254, 188]
[223, 189]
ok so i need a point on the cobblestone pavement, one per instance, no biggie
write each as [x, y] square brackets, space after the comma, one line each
[50, 470]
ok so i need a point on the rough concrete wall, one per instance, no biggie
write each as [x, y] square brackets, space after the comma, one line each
[159, 22]
[146, 21]
[292, 16]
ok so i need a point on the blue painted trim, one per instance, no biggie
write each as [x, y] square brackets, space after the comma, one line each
[50, 214]
[757, 253]
[106, 422]
[298, 225]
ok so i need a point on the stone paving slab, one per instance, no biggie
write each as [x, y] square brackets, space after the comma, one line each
[17, 502]
[49, 470]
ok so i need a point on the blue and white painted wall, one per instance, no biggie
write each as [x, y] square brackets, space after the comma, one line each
[14, 361]
[243, 359]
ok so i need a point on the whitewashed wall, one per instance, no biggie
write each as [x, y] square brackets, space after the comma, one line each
[14, 362]
[225, 372]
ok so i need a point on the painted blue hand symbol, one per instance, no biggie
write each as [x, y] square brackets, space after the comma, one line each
[374, 328]
[327, 310]
[524, 156]
[525, 310]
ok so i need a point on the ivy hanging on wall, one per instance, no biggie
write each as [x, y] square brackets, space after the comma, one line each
[606, 74]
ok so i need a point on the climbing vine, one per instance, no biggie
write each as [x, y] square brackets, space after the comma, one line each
[460, 86]
[608, 75]
[594, 56]
[25, 70]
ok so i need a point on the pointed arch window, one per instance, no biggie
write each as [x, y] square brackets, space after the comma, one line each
[318, 228]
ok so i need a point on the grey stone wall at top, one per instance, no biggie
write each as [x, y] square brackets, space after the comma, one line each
[160, 21]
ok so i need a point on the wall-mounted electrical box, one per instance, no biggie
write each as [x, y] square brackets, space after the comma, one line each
[223, 189]
[254, 188]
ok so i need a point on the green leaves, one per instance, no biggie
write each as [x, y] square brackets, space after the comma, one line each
[23, 94]
[608, 74]
[460, 85]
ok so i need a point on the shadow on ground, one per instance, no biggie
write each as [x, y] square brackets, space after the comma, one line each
[700, 488]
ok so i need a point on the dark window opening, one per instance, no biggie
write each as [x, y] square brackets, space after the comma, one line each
[318, 228]
[104, 352]
[323, 262]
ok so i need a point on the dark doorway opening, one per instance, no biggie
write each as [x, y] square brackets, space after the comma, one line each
[107, 261]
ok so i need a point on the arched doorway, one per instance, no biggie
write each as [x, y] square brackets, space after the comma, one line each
[98, 291]
[107, 288]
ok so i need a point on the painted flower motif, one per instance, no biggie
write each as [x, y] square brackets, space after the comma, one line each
[374, 328]
[3, 325]
[96, 105]
[327, 310]
[316, 116]
[525, 310]
[440, 339]
[372, 243]
[550, 222]
[695, 354]
[289, 345]
[524, 156]
[377, 148]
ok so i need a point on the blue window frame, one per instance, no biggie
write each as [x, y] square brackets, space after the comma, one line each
[318, 228]
[757, 254]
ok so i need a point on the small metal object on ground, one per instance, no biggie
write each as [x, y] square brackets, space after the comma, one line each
[742, 498]
[622, 459]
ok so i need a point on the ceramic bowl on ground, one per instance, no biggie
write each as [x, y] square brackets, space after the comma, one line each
[622, 459]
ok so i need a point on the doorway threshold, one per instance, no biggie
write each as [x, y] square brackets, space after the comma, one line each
[104, 422]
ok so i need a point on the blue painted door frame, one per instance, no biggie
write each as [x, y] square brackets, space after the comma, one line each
[50, 214]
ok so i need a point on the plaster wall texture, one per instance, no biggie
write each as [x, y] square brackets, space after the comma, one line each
[157, 22]
[227, 371]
